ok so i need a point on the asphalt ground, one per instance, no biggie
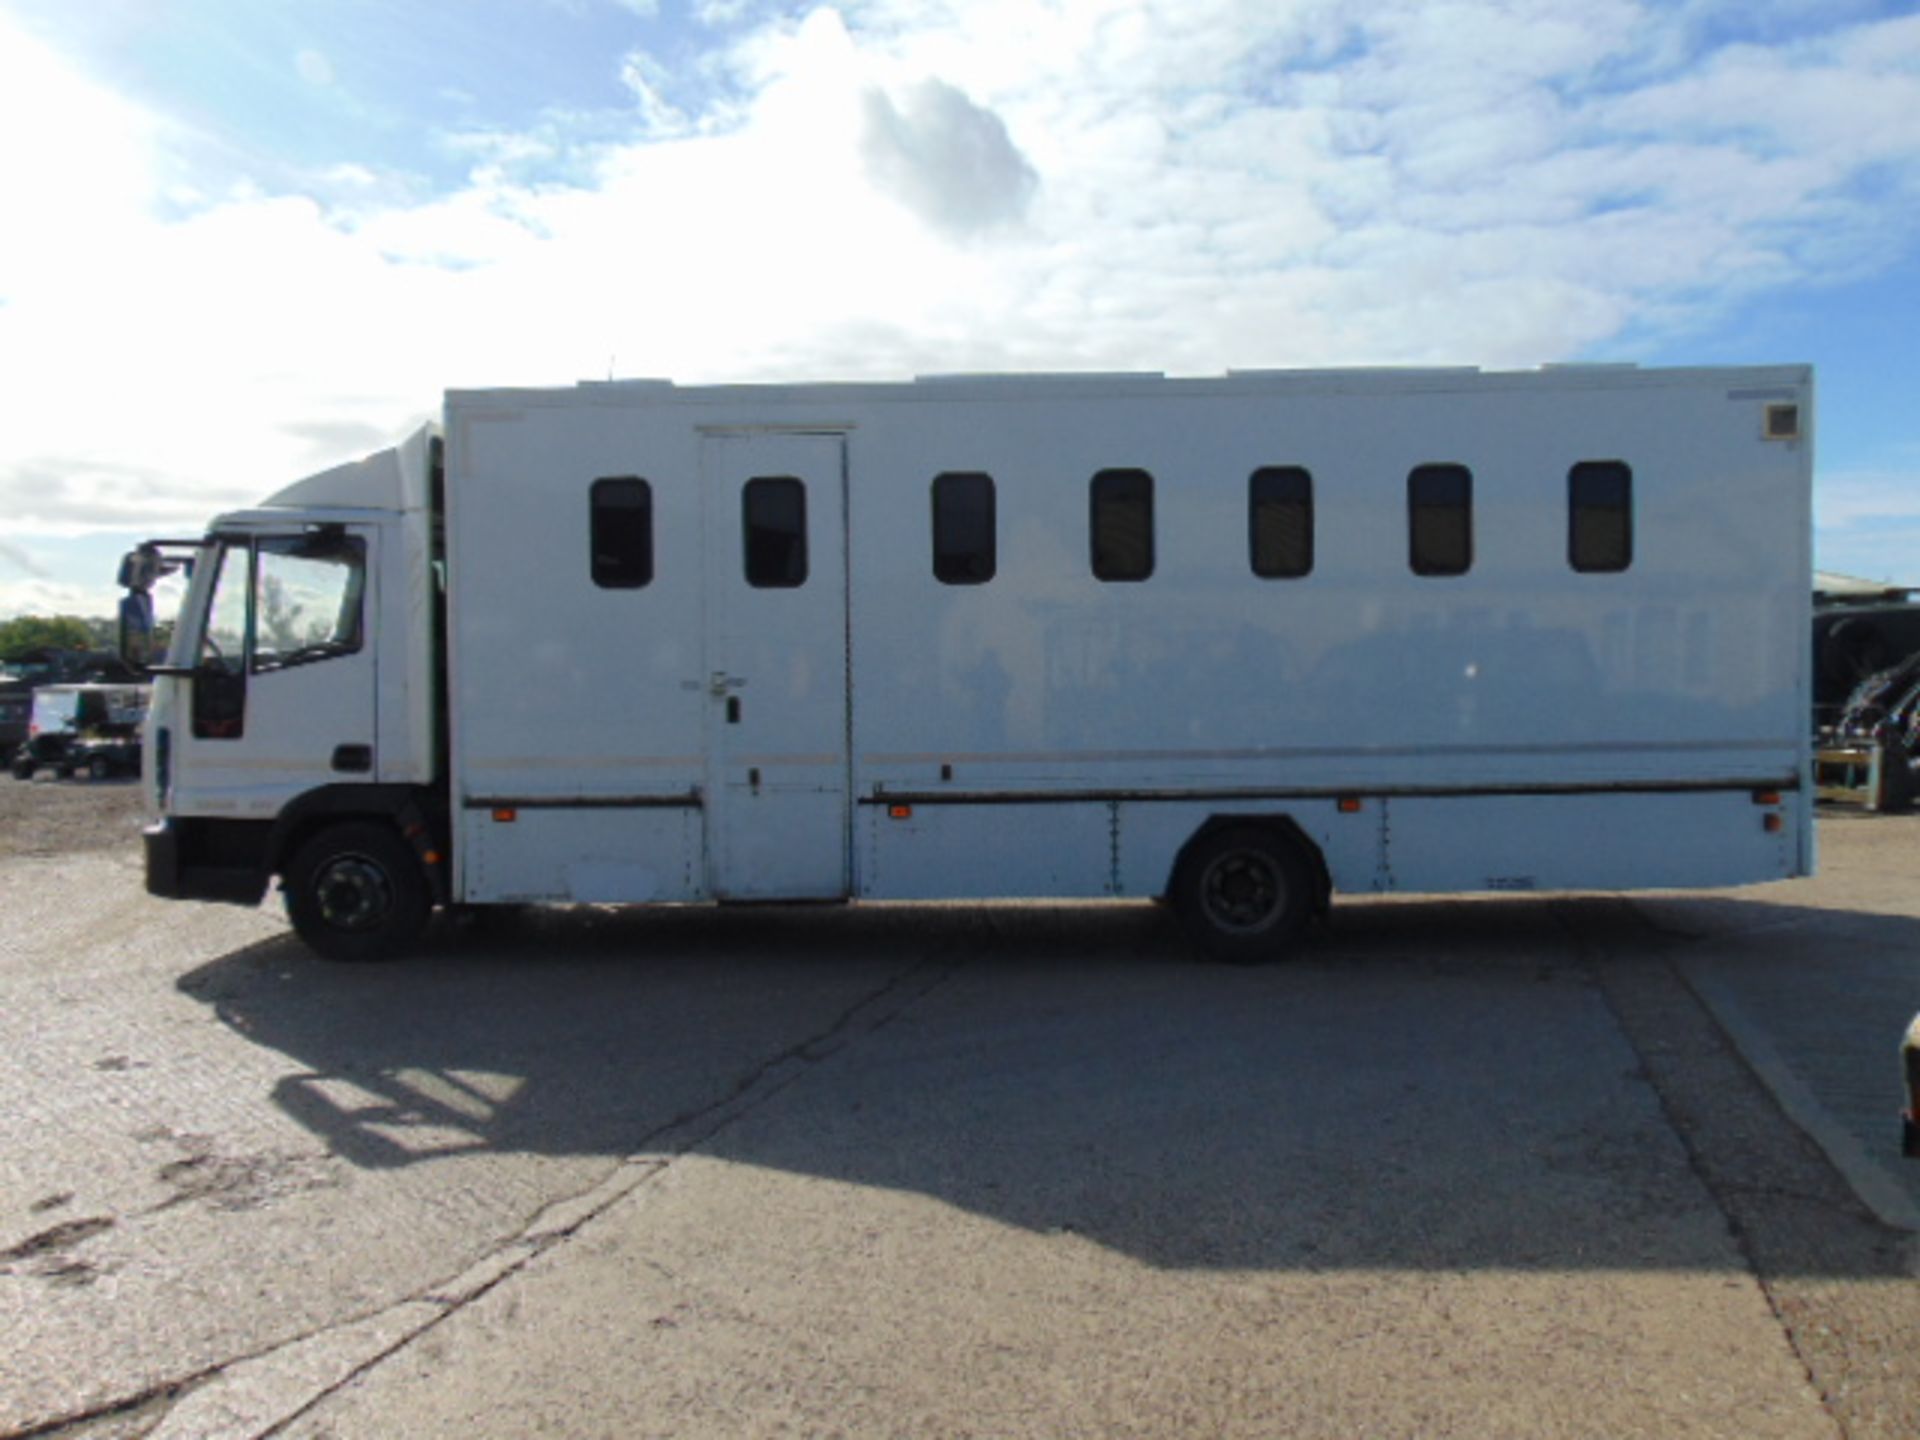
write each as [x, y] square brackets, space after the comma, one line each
[1483, 1166]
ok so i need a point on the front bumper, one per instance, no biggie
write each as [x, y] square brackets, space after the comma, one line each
[197, 860]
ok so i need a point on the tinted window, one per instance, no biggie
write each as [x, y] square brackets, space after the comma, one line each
[1440, 519]
[964, 541]
[1280, 522]
[774, 517]
[1122, 525]
[622, 540]
[1600, 516]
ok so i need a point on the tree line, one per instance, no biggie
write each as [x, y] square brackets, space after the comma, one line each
[68, 632]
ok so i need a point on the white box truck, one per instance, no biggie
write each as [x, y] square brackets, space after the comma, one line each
[1241, 642]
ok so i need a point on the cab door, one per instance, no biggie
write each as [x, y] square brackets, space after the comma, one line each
[280, 698]
[777, 794]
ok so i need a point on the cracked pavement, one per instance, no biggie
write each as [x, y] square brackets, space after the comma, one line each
[1473, 1167]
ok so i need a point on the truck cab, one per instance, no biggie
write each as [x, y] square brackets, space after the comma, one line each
[296, 697]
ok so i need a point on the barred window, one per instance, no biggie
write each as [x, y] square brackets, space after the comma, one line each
[1122, 524]
[1440, 519]
[773, 511]
[1280, 522]
[621, 541]
[1600, 516]
[964, 539]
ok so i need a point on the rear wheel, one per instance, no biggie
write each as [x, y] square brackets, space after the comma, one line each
[356, 892]
[1244, 894]
[99, 768]
[23, 768]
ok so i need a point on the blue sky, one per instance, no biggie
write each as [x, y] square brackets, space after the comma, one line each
[246, 239]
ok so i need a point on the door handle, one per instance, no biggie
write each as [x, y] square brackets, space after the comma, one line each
[353, 759]
[733, 709]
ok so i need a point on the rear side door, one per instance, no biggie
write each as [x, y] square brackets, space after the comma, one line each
[777, 792]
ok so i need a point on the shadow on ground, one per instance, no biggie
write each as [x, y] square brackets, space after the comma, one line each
[1437, 1084]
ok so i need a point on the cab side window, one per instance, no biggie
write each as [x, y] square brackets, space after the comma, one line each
[308, 599]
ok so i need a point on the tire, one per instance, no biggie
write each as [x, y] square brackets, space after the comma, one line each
[99, 768]
[355, 892]
[1244, 894]
[23, 769]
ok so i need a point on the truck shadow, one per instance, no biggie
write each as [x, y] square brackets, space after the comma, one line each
[1436, 1084]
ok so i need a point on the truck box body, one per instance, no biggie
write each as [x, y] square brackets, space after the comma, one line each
[1030, 636]
[1052, 733]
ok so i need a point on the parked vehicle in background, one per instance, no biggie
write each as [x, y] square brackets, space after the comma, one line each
[1241, 642]
[91, 730]
[25, 671]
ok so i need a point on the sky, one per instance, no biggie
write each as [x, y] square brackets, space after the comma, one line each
[243, 240]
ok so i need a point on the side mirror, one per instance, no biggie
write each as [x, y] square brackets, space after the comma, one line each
[139, 569]
[136, 628]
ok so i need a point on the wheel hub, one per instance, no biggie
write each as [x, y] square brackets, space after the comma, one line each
[353, 893]
[1243, 891]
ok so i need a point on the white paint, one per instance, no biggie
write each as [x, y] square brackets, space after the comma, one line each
[1108, 721]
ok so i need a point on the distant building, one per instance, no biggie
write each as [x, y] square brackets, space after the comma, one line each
[1830, 588]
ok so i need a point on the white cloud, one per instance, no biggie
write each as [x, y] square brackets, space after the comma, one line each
[78, 167]
[1867, 523]
[48, 597]
[649, 80]
[939, 185]
[945, 158]
[18, 559]
[313, 67]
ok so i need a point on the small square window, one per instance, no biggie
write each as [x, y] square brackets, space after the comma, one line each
[773, 512]
[1280, 522]
[1122, 524]
[1440, 519]
[621, 541]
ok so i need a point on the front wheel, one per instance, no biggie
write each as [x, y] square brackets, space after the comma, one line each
[356, 892]
[1244, 894]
